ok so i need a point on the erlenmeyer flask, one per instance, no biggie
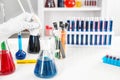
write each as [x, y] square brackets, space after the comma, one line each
[7, 65]
[50, 3]
[45, 66]
[34, 43]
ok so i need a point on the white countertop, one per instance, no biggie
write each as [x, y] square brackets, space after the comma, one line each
[82, 63]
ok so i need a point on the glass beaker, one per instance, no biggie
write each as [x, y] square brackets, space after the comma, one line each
[7, 65]
[50, 3]
[45, 66]
[34, 43]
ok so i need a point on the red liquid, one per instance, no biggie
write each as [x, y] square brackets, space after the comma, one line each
[7, 65]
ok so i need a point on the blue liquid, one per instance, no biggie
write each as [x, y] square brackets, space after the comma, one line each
[101, 25]
[20, 54]
[82, 26]
[86, 40]
[68, 39]
[73, 25]
[111, 25]
[82, 39]
[77, 25]
[96, 26]
[77, 39]
[91, 39]
[72, 39]
[91, 26]
[48, 70]
[68, 21]
[87, 23]
[105, 26]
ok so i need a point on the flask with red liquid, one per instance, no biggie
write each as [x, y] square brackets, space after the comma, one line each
[7, 65]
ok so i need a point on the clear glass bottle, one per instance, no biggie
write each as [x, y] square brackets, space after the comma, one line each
[45, 66]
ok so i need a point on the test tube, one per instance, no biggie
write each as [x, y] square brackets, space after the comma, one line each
[105, 39]
[68, 21]
[68, 39]
[91, 39]
[82, 25]
[72, 39]
[87, 25]
[82, 39]
[96, 26]
[77, 25]
[111, 25]
[73, 25]
[86, 40]
[91, 26]
[100, 40]
[77, 39]
[110, 39]
[105, 26]
[95, 40]
[101, 25]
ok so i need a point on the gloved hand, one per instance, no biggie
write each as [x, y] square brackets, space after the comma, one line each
[17, 24]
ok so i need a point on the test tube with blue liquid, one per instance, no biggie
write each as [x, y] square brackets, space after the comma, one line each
[77, 39]
[111, 25]
[68, 29]
[105, 25]
[110, 39]
[77, 25]
[105, 40]
[72, 39]
[73, 25]
[100, 40]
[68, 38]
[86, 39]
[95, 43]
[82, 26]
[82, 39]
[101, 25]
[91, 39]
[91, 26]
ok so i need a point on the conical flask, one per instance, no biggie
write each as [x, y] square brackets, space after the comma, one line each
[45, 66]
[7, 65]
[34, 43]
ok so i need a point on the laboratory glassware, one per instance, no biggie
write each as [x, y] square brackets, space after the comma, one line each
[33, 44]
[7, 65]
[50, 3]
[45, 66]
[20, 54]
[69, 3]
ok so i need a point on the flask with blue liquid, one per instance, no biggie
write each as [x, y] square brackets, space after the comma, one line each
[45, 66]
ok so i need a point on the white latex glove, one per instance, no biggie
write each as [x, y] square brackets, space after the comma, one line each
[17, 24]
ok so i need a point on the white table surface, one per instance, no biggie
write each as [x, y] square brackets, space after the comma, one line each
[81, 63]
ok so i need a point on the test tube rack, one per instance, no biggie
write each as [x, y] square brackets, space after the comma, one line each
[90, 32]
[111, 60]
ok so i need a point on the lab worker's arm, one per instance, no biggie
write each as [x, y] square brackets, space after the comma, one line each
[16, 25]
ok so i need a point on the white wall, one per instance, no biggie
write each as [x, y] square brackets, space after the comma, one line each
[113, 10]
